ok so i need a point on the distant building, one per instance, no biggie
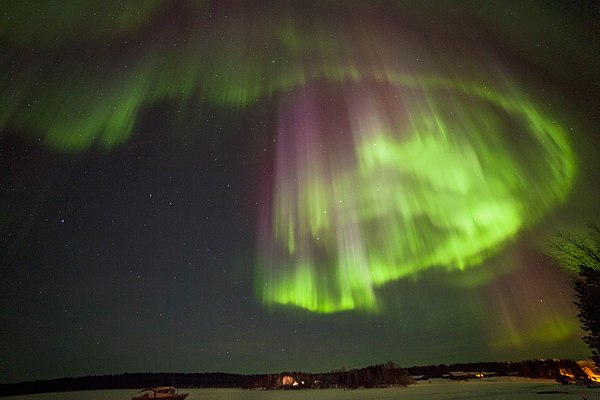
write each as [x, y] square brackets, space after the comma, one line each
[460, 375]
[289, 382]
[466, 375]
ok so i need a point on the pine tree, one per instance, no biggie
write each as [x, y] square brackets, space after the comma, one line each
[587, 291]
[581, 255]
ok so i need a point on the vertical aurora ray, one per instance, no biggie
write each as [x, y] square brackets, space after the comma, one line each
[531, 317]
[376, 181]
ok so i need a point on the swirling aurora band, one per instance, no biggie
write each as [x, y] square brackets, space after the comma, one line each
[414, 173]
[384, 168]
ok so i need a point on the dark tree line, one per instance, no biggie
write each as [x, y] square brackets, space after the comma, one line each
[581, 255]
[374, 376]
[549, 369]
[380, 375]
[126, 381]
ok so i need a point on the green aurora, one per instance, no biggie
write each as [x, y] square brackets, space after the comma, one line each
[437, 191]
[400, 153]
[443, 189]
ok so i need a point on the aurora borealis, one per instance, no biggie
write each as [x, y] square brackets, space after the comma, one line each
[253, 187]
[362, 202]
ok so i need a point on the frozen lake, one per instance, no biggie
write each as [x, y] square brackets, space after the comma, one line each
[438, 389]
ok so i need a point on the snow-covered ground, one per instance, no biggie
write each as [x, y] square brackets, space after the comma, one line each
[437, 389]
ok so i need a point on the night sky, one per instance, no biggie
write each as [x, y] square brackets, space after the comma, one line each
[250, 187]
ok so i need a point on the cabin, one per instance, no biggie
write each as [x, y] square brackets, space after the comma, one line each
[465, 375]
[460, 375]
